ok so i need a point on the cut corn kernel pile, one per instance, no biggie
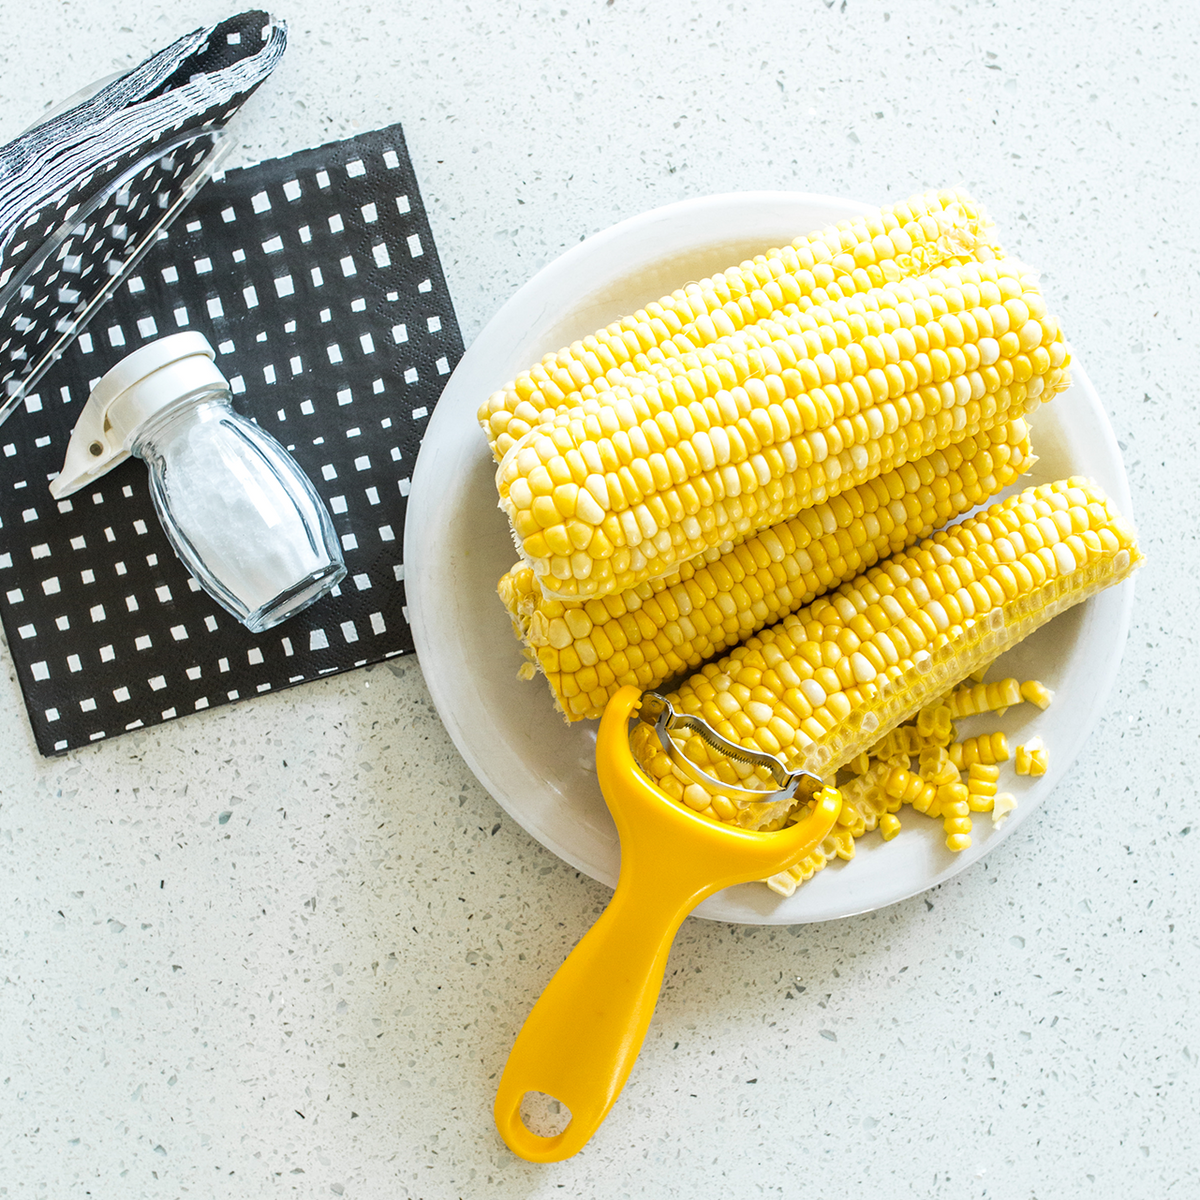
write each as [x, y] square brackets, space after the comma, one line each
[932, 229]
[881, 780]
[649, 634]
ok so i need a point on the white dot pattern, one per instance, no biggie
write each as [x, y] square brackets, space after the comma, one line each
[107, 629]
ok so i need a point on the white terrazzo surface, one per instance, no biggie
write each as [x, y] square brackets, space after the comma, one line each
[314, 995]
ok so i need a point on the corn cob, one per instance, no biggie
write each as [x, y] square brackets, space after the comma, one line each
[824, 684]
[617, 493]
[853, 256]
[649, 634]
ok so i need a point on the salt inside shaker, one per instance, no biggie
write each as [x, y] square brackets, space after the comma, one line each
[236, 507]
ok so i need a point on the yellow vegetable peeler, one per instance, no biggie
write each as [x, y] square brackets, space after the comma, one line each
[580, 1041]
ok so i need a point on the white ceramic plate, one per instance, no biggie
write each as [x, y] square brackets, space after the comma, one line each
[457, 545]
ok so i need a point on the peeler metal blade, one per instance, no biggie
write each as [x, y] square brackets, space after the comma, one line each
[658, 712]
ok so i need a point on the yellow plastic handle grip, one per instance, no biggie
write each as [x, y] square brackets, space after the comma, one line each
[581, 1039]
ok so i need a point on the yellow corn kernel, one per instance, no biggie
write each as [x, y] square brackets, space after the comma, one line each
[839, 841]
[892, 749]
[1004, 804]
[986, 748]
[853, 819]
[725, 808]
[909, 788]
[889, 826]
[786, 882]
[1031, 758]
[952, 800]
[935, 766]
[981, 786]
[935, 724]
[861, 764]
[1036, 693]
[958, 842]
[865, 795]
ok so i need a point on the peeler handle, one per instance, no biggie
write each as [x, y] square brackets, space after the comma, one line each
[583, 1035]
[581, 1039]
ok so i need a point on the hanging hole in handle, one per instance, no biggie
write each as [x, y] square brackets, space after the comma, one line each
[543, 1115]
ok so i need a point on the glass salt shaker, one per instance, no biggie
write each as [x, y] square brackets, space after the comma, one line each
[236, 507]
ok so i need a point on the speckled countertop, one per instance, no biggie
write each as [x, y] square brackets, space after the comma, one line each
[316, 996]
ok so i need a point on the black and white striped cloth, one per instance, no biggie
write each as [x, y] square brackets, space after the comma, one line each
[83, 193]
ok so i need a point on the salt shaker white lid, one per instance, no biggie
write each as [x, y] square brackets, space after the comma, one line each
[141, 384]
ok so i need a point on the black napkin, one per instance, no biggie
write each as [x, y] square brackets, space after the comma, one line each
[316, 279]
